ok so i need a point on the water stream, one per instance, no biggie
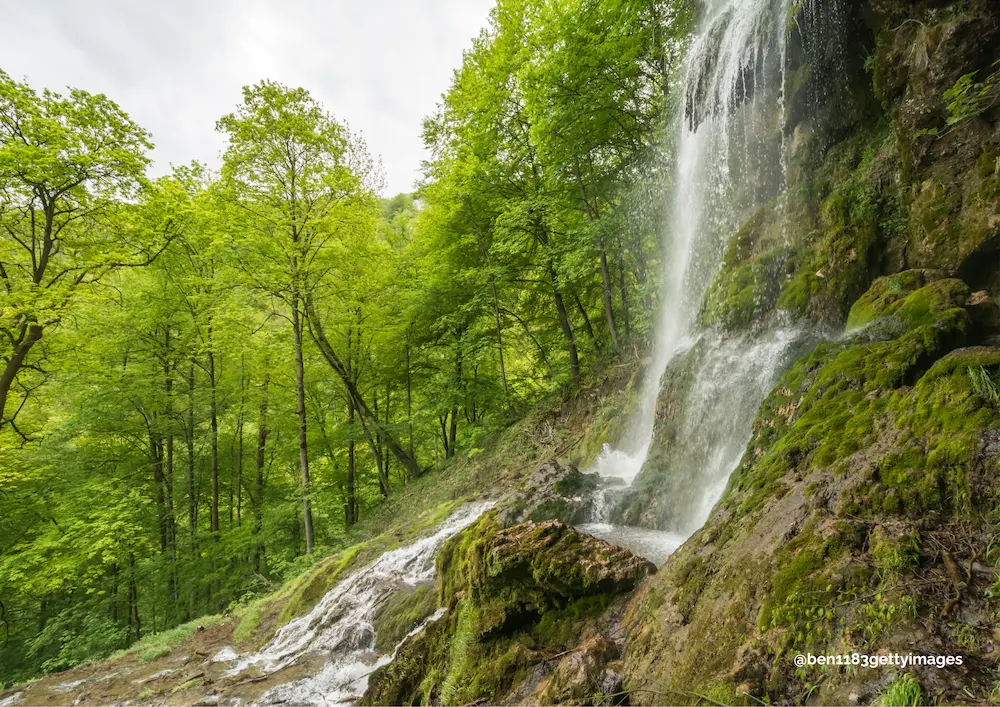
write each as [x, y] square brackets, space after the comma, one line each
[340, 630]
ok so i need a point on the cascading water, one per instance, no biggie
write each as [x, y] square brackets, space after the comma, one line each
[340, 627]
[730, 159]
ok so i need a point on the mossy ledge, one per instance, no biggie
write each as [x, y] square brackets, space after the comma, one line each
[862, 519]
[514, 598]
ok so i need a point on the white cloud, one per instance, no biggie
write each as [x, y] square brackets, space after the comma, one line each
[177, 66]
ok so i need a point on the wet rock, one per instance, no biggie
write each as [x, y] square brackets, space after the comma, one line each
[871, 468]
[514, 596]
[535, 566]
[554, 491]
[583, 676]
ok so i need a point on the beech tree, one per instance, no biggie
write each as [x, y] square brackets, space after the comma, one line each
[68, 166]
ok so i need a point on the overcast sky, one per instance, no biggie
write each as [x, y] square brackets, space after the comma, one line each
[176, 66]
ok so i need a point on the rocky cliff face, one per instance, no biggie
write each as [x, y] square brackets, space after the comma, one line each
[862, 518]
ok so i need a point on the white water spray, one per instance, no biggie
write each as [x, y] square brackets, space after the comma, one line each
[729, 159]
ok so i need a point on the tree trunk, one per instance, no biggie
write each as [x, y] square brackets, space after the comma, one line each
[453, 429]
[300, 394]
[156, 462]
[258, 499]
[239, 447]
[592, 213]
[381, 461]
[484, 253]
[606, 292]
[586, 323]
[213, 410]
[443, 419]
[387, 423]
[333, 360]
[350, 509]
[567, 328]
[168, 469]
[30, 335]
[409, 397]
[133, 600]
[621, 287]
[189, 439]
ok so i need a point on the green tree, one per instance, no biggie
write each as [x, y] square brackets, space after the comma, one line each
[69, 166]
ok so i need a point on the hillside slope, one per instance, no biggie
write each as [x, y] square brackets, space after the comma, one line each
[177, 667]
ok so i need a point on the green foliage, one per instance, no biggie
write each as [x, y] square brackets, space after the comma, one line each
[969, 98]
[211, 381]
[904, 691]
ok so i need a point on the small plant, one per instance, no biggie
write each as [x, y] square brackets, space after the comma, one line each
[964, 635]
[994, 697]
[904, 691]
[892, 557]
[882, 614]
[969, 98]
[984, 385]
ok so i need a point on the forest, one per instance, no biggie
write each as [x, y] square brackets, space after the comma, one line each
[677, 370]
[207, 378]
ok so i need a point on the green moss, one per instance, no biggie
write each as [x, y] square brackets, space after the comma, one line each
[690, 576]
[249, 620]
[479, 670]
[753, 268]
[725, 693]
[194, 682]
[311, 587]
[834, 402]
[561, 628]
[402, 613]
[908, 298]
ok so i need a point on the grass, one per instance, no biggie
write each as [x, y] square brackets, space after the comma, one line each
[904, 691]
[157, 645]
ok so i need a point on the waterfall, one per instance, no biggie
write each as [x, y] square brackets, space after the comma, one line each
[730, 159]
[339, 630]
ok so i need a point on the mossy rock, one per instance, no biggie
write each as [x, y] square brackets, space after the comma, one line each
[513, 596]
[752, 273]
[534, 567]
[887, 294]
[554, 491]
[868, 446]
[403, 612]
